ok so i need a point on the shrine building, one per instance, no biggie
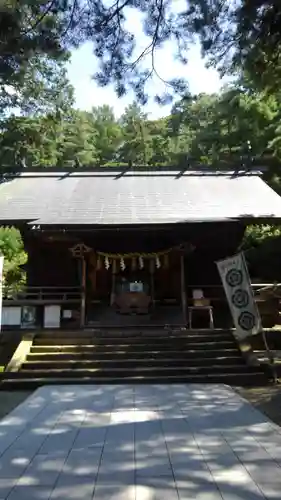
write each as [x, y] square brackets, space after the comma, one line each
[111, 246]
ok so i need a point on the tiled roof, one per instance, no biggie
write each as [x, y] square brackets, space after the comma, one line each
[110, 198]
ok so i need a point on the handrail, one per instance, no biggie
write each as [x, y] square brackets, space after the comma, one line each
[216, 292]
[74, 293]
[254, 285]
[47, 293]
[52, 288]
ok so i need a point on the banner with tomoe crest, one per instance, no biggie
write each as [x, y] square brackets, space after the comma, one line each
[236, 282]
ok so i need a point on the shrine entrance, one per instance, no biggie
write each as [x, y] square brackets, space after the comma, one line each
[135, 289]
[132, 292]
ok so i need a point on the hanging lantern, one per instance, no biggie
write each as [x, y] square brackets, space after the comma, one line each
[106, 263]
[166, 261]
[157, 262]
[134, 264]
[99, 264]
[141, 263]
[122, 264]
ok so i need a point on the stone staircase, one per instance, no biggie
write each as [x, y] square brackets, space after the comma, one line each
[134, 356]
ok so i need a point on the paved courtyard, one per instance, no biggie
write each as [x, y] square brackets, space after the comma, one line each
[139, 443]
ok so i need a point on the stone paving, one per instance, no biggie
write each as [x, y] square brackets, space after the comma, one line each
[142, 442]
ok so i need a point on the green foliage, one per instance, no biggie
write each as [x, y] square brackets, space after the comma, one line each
[230, 127]
[235, 128]
[106, 133]
[262, 246]
[32, 57]
[26, 32]
[75, 140]
[240, 37]
[12, 248]
[256, 234]
[135, 144]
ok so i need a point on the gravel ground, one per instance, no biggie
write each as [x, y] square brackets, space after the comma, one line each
[266, 399]
[10, 399]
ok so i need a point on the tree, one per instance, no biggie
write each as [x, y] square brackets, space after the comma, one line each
[45, 89]
[236, 128]
[27, 139]
[31, 54]
[159, 142]
[35, 140]
[76, 143]
[135, 146]
[12, 248]
[262, 247]
[241, 37]
[107, 133]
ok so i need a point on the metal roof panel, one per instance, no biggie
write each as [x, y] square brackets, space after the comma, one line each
[135, 198]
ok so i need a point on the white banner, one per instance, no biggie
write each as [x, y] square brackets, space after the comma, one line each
[1, 288]
[237, 285]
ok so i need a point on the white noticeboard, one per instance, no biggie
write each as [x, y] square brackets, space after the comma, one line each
[11, 316]
[67, 314]
[52, 316]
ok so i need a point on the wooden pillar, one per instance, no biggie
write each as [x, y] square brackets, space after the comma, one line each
[183, 290]
[152, 287]
[83, 292]
[112, 294]
[78, 252]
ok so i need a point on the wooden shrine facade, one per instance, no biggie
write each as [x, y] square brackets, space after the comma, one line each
[91, 277]
[106, 243]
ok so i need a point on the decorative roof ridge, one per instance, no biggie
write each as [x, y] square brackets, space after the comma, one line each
[133, 171]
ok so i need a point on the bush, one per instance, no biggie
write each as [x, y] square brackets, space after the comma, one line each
[12, 248]
[262, 247]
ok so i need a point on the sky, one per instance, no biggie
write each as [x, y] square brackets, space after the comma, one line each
[83, 65]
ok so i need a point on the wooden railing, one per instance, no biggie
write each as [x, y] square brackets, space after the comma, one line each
[46, 294]
[257, 287]
[61, 294]
[263, 292]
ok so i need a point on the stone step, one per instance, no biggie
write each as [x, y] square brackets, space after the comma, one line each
[101, 353]
[243, 378]
[137, 334]
[128, 372]
[151, 339]
[124, 356]
[59, 363]
[171, 344]
[130, 330]
[134, 356]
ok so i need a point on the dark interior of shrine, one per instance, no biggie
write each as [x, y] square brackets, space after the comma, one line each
[51, 263]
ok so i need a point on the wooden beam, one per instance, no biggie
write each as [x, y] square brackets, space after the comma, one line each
[183, 290]
[83, 293]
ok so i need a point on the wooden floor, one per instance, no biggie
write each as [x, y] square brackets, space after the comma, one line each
[190, 442]
[102, 314]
